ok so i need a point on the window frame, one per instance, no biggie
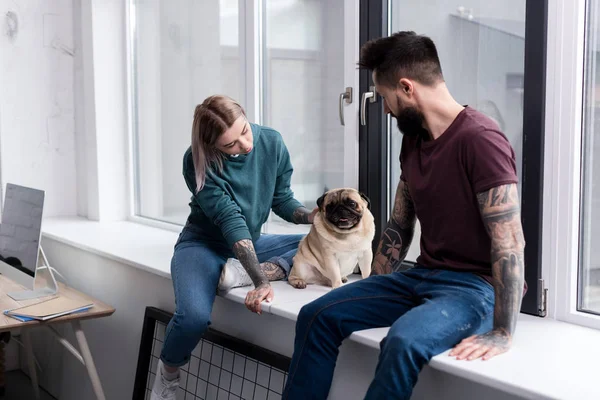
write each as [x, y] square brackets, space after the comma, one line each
[375, 139]
[250, 31]
[567, 26]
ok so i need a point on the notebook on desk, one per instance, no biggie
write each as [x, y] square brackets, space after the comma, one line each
[48, 309]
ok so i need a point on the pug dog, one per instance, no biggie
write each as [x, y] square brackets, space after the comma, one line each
[339, 239]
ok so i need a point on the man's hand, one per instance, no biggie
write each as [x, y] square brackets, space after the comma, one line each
[485, 346]
[255, 297]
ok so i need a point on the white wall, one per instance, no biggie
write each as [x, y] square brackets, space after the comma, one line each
[37, 112]
[59, 117]
[114, 341]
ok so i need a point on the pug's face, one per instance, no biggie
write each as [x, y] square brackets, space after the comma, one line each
[343, 208]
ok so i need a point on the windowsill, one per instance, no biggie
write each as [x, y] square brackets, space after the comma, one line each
[137, 245]
[549, 359]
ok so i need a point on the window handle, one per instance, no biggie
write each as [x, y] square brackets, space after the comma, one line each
[363, 104]
[347, 95]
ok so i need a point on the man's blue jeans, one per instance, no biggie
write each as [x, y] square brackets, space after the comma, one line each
[429, 311]
[195, 269]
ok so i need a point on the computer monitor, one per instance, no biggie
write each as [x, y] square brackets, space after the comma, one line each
[20, 235]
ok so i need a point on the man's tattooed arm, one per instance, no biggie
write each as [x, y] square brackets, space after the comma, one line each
[398, 234]
[244, 252]
[501, 215]
[301, 216]
[500, 210]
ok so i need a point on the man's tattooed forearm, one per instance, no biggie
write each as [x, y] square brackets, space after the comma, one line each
[392, 248]
[244, 251]
[397, 236]
[500, 211]
[404, 209]
[301, 215]
[508, 272]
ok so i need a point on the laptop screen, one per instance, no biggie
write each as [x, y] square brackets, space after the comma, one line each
[20, 229]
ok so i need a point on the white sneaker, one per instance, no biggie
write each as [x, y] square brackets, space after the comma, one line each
[233, 275]
[164, 389]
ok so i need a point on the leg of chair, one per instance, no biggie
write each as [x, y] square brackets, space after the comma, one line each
[89, 361]
[31, 363]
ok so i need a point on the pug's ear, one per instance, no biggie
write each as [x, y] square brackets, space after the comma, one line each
[320, 201]
[365, 198]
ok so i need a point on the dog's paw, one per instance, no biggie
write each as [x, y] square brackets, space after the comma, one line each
[336, 285]
[298, 283]
[344, 279]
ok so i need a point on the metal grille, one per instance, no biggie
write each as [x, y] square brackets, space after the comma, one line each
[220, 368]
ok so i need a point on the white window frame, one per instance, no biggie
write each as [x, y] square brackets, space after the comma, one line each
[131, 112]
[251, 14]
[250, 34]
[562, 165]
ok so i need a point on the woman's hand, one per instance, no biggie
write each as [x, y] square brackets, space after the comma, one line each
[255, 297]
[303, 216]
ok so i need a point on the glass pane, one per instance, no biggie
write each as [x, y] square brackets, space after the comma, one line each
[303, 77]
[481, 45]
[589, 282]
[177, 63]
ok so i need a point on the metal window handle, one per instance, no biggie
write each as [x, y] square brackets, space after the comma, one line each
[363, 104]
[347, 95]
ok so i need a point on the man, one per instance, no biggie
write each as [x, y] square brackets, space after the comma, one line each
[459, 179]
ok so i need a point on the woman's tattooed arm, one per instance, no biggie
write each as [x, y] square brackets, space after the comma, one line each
[244, 251]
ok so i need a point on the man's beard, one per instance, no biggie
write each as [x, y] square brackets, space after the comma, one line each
[410, 122]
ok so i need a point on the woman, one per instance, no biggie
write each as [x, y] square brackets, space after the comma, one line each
[237, 172]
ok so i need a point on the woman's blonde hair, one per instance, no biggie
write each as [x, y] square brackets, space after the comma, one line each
[212, 118]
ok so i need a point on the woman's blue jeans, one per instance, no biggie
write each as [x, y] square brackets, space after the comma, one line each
[195, 269]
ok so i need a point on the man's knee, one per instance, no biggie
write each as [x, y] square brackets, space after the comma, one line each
[315, 312]
[399, 344]
[307, 313]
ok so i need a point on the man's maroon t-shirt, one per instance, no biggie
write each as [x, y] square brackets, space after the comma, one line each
[443, 177]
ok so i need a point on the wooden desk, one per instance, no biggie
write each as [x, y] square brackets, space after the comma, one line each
[99, 310]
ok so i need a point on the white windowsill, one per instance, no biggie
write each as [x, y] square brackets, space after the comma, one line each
[549, 359]
[137, 245]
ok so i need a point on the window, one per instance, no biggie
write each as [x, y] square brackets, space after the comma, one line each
[589, 260]
[303, 74]
[481, 49]
[182, 52]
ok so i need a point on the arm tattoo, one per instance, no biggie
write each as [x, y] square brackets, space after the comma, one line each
[301, 216]
[398, 234]
[500, 210]
[244, 251]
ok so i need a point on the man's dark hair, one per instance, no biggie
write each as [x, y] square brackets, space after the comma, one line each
[402, 55]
